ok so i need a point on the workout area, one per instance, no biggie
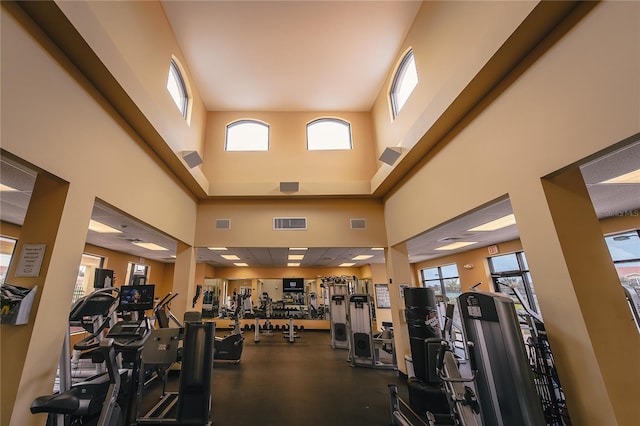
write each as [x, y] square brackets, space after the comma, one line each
[320, 213]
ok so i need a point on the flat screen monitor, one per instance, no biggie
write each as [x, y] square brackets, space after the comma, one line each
[293, 284]
[136, 297]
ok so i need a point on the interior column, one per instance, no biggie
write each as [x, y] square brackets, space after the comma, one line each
[399, 272]
[184, 276]
[592, 336]
[57, 217]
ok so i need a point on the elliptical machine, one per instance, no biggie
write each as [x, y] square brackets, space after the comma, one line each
[87, 400]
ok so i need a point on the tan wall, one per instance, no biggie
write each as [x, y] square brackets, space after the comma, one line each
[134, 40]
[82, 143]
[556, 113]
[437, 33]
[288, 160]
[328, 223]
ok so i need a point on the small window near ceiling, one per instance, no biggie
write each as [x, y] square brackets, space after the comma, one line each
[177, 88]
[247, 135]
[404, 81]
[328, 134]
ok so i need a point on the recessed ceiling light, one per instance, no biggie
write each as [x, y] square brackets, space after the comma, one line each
[499, 223]
[298, 248]
[4, 187]
[293, 264]
[377, 248]
[149, 246]
[102, 228]
[230, 256]
[217, 248]
[241, 264]
[347, 264]
[457, 245]
[296, 256]
[631, 177]
[363, 257]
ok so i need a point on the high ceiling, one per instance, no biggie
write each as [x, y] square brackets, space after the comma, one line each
[297, 56]
[290, 55]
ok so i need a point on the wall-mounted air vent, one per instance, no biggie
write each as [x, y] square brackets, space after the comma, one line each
[223, 223]
[288, 223]
[358, 224]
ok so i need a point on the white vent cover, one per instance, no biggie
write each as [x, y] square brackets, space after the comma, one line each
[223, 223]
[280, 223]
[358, 223]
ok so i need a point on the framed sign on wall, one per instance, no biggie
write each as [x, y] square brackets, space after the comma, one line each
[382, 296]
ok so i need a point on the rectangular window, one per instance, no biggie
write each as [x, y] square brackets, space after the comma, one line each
[7, 245]
[444, 280]
[512, 271]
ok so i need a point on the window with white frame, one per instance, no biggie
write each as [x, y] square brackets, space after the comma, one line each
[247, 135]
[444, 280]
[177, 88]
[328, 134]
[404, 81]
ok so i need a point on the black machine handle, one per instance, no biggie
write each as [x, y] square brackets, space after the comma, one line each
[523, 302]
[166, 300]
[444, 348]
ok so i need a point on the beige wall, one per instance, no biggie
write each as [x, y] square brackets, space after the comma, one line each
[328, 223]
[134, 40]
[437, 33]
[288, 160]
[557, 112]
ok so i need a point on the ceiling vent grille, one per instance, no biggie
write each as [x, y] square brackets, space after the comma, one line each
[223, 223]
[358, 224]
[285, 223]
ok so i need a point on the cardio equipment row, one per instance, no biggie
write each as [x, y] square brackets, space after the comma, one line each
[133, 353]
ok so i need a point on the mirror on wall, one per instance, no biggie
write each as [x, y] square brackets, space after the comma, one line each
[276, 298]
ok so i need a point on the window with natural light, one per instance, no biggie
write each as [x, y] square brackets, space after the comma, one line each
[247, 135]
[328, 134]
[404, 81]
[177, 88]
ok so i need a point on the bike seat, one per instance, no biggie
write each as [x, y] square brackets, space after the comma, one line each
[63, 403]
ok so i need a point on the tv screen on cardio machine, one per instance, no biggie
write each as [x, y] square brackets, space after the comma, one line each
[136, 297]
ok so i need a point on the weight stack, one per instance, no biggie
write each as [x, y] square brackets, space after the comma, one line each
[422, 322]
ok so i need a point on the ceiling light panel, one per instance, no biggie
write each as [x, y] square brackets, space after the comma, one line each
[457, 245]
[363, 257]
[631, 177]
[293, 264]
[499, 223]
[230, 256]
[217, 248]
[149, 246]
[296, 256]
[346, 264]
[241, 264]
[100, 227]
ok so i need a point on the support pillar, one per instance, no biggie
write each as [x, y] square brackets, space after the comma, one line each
[399, 272]
[593, 339]
[184, 276]
[58, 216]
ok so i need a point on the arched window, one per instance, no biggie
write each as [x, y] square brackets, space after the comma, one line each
[177, 88]
[404, 81]
[328, 134]
[247, 135]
